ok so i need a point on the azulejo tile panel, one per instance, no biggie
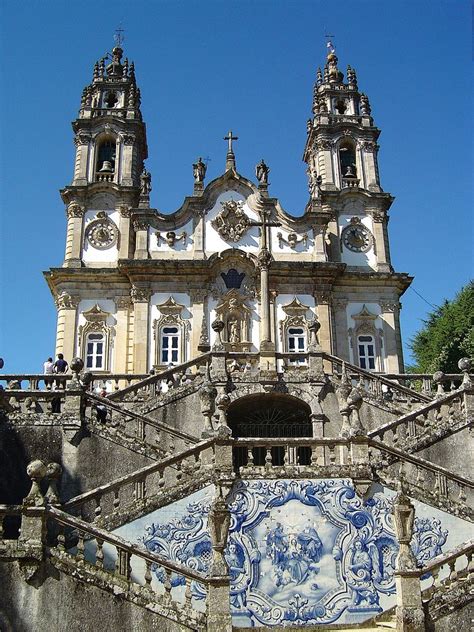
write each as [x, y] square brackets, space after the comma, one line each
[299, 552]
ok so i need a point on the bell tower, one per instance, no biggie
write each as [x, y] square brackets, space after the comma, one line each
[110, 140]
[341, 154]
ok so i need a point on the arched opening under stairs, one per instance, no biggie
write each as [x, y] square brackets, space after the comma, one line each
[270, 416]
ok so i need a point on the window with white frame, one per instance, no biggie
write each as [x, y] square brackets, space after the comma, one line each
[366, 352]
[170, 345]
[296, 338]
[95, 347]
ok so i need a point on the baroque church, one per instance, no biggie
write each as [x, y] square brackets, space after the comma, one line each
[236, 445]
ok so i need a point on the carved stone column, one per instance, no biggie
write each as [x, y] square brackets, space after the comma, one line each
[391, 335]
[410, 615]
[33, 522]
[264, 261]
[369, 156]
[339, 306]
[74, 236]
[381, 242]
[323, 304]
[141, 238]
[199, 325]
[123, 305]
[124, 227]
[66, 328]
[141, 305]
[218, 603]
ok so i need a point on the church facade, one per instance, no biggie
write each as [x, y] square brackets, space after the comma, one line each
[236, 445]
[139, 290]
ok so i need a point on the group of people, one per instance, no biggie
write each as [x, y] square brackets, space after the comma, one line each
[60, 367]
[51, 368]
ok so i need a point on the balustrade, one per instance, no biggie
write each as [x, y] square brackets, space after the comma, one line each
[448, 570]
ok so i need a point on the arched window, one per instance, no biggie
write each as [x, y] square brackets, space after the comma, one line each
[106, 156]
[347, 162]
[366, 352]
[95, 347]
[170, 346]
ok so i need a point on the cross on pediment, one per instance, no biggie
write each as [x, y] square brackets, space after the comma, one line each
[230, 137]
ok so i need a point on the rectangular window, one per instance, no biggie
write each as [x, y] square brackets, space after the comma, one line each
[296, 338]
[366, 347]
[170, 345]
[95, 351]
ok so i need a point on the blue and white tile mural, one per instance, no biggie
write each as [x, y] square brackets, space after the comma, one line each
[299, 552]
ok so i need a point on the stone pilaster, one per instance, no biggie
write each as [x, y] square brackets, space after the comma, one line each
[126, 163]
[332, 234]
[391, 327]
[319, 233]
[124, 227]
[199, 311]
[199, 234]
[323, 303]
[66, 327]
[381, 242]
[326, 167]
[339, 306]
[141, 238]
[74, 236]
[83, 143]
[369, 156]
[141, 307]
[123, 305]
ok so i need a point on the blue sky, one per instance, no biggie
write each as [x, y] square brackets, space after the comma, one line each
[206, 66]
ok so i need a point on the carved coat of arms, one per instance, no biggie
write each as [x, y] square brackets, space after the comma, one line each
[231, 223]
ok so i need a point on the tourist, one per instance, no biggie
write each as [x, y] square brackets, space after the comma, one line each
[60, 366]
[101, 408]
[48, 369]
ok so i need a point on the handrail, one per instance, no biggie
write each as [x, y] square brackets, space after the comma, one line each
[416, 460]
[435, 403]
[136, 475]
[152, 379]
[72, 521]
[462, 549]
[376, 376]
[160, 425]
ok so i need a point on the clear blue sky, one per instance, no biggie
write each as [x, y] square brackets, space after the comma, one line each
[206, 66]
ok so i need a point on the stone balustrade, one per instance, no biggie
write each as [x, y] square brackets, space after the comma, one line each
[423, 382]
[277, 458]
[426, 425]
[426, 481]
[154, 485]
[447, 570]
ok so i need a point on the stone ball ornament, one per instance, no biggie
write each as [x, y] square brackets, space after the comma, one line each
[36, 470]
[438, 377]
[77, 364]
[465, 364]
[54, 470]
[218, 326]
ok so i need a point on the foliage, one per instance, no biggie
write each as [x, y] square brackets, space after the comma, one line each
[447, 335]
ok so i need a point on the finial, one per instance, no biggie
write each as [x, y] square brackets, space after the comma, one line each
[319, 77]
[230, 158]
[364, 104]
[119, 37]
[96, 70]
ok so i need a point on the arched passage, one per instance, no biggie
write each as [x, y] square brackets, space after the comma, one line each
[270, 416]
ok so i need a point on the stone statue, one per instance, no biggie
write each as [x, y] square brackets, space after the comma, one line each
[145, 182]
[199, 171]
[233, 330]
[262, 171]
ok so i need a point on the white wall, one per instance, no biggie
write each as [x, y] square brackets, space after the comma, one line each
[179, 246]
[365, 259]
[94, 255]
[285, 248]
[215, 243]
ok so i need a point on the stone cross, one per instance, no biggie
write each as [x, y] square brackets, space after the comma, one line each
[230, 158]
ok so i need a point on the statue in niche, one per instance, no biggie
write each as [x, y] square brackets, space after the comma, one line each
[236, 318]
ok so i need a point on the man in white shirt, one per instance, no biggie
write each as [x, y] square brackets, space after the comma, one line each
[48, 369]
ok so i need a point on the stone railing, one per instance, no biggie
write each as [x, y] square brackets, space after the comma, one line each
[170, 378]
[448, 570]
[425, 384]
[40, 381]
[280, 458]
[77, 547]
[430, 423]
[377, 386]
[426, 481]
[150, 487]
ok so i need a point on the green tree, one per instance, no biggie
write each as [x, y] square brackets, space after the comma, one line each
[447, 335]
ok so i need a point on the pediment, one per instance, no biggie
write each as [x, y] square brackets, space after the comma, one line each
[295, 308]
[170, 306]
[95, 314]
